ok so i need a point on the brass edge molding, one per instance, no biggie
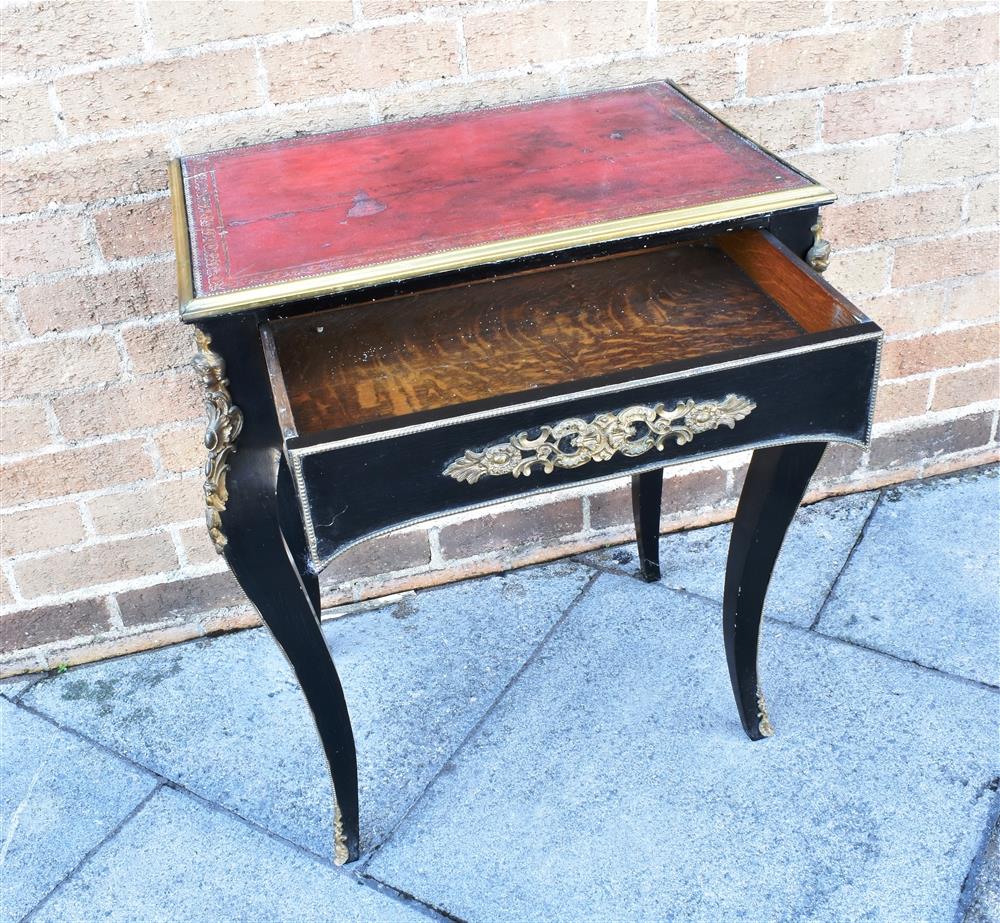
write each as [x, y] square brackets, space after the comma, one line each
[182, 242]
[575, 442]
[818, 255]
[225, 421]
[195, 308]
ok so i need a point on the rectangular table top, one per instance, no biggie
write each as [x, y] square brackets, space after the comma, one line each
[293, 219]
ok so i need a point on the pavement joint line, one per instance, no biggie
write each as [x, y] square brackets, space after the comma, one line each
[968, 889]
[97, 847]
[814, 625]
[376, 884]
[365, 861]
[31, 685]
[166, 782]
[968, 680]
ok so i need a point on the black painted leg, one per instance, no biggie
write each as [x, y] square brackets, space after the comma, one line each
[647, 489]
[265, 548]
[775, 484]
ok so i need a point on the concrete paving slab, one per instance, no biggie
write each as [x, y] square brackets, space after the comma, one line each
[12, 687]
[181, 860]
[613, 781]
[819, 541]
[924, 583]
[225, 717]
[59, 797]
[985, 904]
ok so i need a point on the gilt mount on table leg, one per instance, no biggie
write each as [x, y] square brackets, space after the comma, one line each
[225, 421]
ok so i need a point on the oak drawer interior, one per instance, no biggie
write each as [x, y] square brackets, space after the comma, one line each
[545, 330]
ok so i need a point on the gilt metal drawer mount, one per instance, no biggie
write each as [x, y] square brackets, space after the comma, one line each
[574, 442]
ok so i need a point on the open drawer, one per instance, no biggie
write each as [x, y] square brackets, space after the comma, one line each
[500, 387]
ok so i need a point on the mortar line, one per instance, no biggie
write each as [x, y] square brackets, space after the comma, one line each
[474, 730]
[814, 624]
[91, 852]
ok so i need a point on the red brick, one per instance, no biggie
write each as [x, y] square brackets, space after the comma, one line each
[983, 205]
[198, 547]
[41, 528]
[26, 117]
[891, 109]
[43, 245]
[182, 450]
[824, 60]
[154, 505]
[134, 405]
[58, 365]
[87, 173]
[872, 221]
[780, 125]
[865, 10]
[909, 310]
[956, 155]
[365, 60]
[852, 170]
[122, 97]
[93, 565]
[58, 474]
[160, 347]
[180, 23]
[967, 386]
[947, 349]
[130, 231]
[860, 273]
[553, 32]
[701, 22]
[898, 400]
[840, 461]
[974, 298]
[382, 555]
[23, 428]
[708, 74]
[180, 599]
[57, 34]
[505, 531]
[926, 444]
[681, 492]
[946, 258]
[45, 624]
[83, 301]
[958, 41]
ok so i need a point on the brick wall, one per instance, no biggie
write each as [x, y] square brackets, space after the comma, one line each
[893, 104]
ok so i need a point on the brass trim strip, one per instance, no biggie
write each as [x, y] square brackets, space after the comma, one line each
[196, 308]
[182, 243]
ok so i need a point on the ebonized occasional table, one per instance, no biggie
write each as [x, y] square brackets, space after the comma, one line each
[411, 319]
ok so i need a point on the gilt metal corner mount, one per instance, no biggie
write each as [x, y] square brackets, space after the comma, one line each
[225, 420]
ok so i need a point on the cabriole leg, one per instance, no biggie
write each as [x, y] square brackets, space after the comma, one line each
[264, 554]
[647, 489]
[254, 521]
[775, 484]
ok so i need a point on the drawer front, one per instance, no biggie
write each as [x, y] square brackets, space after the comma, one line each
[355, 488]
